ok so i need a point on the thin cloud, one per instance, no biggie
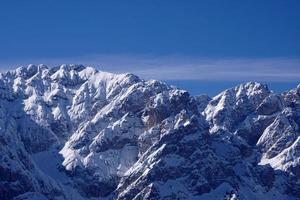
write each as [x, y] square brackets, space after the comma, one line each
[175, 67]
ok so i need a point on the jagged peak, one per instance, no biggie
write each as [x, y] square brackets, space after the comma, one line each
[249, 89]
[255, 86]
[156, 84]
[68, 67]
[298, 89]
[67, 70]
[25, 71]
[73, 73]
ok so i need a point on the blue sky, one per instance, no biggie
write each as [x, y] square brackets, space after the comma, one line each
[213, 44]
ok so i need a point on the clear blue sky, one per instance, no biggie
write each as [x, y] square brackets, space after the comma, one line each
[134, 32]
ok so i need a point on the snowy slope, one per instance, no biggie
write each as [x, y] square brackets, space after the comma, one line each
[72, 132]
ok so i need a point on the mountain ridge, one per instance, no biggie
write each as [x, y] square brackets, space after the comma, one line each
[120, 137]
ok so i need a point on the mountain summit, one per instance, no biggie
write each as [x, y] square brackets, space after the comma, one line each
[73, 132]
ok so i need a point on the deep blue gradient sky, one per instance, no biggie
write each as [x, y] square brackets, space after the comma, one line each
[239, 31]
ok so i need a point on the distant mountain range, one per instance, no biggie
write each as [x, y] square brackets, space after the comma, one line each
[72, 132]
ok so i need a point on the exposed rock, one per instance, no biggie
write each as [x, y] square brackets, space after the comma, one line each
[72, 132]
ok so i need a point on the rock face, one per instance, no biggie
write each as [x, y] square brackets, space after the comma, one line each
[73, 132]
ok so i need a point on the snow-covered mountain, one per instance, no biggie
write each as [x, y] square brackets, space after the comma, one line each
[73, 132]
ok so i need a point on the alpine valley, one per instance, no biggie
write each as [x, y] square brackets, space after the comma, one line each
[75, 133]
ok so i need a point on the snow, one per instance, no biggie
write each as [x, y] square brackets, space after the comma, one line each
[289, 157]
[49, 162]
[113, 128]
[31, 196]
[71, 158]
[173, 187]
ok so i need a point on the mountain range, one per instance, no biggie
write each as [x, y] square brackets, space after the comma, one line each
[73, 132]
